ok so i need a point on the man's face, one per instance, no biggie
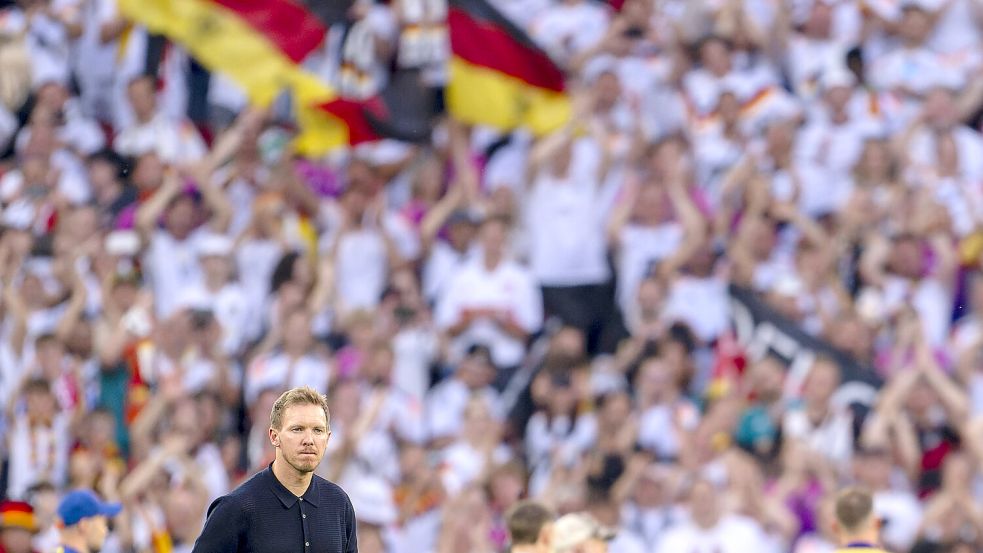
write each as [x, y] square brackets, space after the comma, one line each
[95, 529]
[15, 540]
[303, 438]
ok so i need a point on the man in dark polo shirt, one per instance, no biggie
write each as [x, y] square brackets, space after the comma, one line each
[286, 508]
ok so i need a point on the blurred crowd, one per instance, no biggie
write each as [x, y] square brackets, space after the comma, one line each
[495, 316]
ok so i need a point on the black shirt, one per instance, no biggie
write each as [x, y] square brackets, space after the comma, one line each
[262, 516]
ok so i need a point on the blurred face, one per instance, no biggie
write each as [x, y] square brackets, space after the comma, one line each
[820, 20]
[143, 98]
[94, 529]
[651, 207]
[180, 217]
[16, 540]
[217, 267]
[40, 404]
[149, 172]
[822, 382]
[476, 372]
[916, 25]
[704, 505]
[715, 56]
[838, 97]
[461, 234]
[53, 96]
[493, 236]
[370, 539]
[875, 162]
[379, 367]
[304, 437]
[608, 89]
[767, 378]
[617, 408]
[297, 332]
[302, 272]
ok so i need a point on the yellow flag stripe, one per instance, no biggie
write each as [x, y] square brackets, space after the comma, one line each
[223, 42]
[482, 96]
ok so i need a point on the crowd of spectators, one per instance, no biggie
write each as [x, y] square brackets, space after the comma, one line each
[494, 316]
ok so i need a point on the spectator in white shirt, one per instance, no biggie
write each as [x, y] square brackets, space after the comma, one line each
[171, 260]
[492, 301]
[710, 529]
[175, 141]
[447, 401]
[826, 428]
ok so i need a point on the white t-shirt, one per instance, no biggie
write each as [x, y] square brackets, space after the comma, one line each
[640, 248]
[446, 403]
[902, 514]
[702, 303]
[172, 267]
[732, 534]
[567, 29]
[832, 437]
[969, 148]
[175, 141]
[565, 221]
[509, 286]
[41, 456]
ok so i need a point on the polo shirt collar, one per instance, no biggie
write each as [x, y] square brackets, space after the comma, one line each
[286, 497]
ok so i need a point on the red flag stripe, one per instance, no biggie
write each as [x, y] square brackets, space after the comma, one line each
[289, 26]
[488, 45]
[359, 129]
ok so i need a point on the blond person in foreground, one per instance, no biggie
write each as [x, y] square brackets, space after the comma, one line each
[856, 526]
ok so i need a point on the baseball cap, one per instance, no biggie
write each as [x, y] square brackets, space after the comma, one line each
[81, 504]
[576, 528]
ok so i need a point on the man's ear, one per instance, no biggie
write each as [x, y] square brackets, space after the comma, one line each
[274, 437]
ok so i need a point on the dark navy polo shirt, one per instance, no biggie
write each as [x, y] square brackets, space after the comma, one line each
[263, 516]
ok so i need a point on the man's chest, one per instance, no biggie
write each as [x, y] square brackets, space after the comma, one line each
[300, 529]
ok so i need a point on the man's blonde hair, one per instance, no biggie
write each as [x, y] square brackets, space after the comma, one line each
[304, 395]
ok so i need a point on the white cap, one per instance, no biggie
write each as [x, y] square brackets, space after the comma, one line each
[122, 243]
[218, 245]
[372, 499]
[577, 528]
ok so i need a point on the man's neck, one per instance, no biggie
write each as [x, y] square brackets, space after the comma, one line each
[525, 549]
[867, 538]
[292, 479]
[75, 542]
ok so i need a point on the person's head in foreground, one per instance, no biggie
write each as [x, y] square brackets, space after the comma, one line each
[580, 533]
[17, 527]
[299, 430]
[855, 523]
[530, 527]
[84, 520]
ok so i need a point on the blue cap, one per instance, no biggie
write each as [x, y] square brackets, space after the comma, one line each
[80, 504]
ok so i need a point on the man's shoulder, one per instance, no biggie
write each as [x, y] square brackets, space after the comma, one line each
[329, 490]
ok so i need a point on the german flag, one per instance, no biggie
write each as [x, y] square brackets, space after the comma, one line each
[498, 76]
[261, 44]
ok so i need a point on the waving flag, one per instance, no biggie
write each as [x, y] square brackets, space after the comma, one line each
[498, 76]
[260, 44]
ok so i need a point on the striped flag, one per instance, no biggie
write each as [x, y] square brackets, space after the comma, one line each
[261, 44]
[498, 76]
